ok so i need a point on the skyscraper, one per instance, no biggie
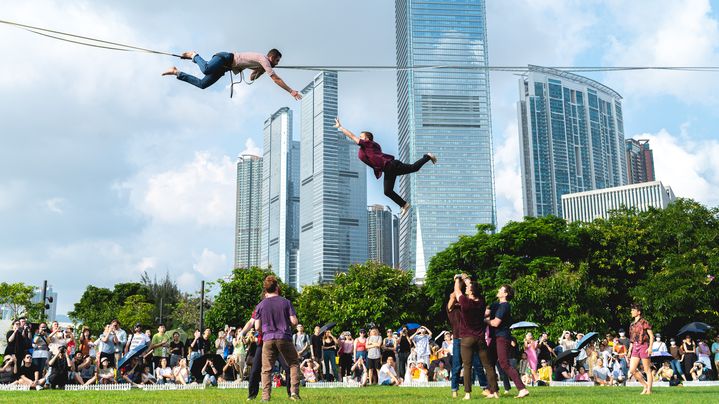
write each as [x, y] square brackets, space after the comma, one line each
[640, 161]
[380, 237]
[280, 197]
[571, 138]
[445, 111]
[249, 208]
[333, 189]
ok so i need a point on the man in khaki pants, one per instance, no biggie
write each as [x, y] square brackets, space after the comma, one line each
[275, 316]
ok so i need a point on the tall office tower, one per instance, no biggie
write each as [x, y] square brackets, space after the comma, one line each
[333, 189]
[445, 111]
[640, 161]
[395, 241]
[380, 240]
[571, 137]
[249, 208]
[280, 197]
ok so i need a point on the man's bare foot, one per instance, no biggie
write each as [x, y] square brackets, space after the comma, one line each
[171, 72]
[486, 392]
[404, 209]
[188, 55]
[432, 157]
[467, 396]
[523, 393]
[454, 394]
[493, 395]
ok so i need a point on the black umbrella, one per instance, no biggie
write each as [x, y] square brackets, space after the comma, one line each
[696, 327]
[199, 363]
[587, 339]
[567, 356]
[327, 326]
[522, 325]
[661, 357]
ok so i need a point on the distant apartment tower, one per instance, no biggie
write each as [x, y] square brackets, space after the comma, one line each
[571, 133]
[280, 197]
[640, 161]
[333, 189]
[248, 225]
[590, 205]
[445, 111]
[395, 241]
[380, 234]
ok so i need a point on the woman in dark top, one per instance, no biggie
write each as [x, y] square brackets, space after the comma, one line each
[499, 323]
[329, 353]
[177, 350]
[404, 348]
[689, 355]
[472, 329]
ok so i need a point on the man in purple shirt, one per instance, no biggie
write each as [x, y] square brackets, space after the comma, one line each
[275, 316]
[371, 154]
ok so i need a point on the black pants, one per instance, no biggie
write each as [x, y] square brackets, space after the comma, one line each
[256, 373]
[396, 168]
[402, 363]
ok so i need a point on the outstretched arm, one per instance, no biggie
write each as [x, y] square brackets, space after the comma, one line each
[346, 132]
[296, 95]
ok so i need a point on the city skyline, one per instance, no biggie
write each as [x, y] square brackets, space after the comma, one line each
[248, 214]
[151, 185]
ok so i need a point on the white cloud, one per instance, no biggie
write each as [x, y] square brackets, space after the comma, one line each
[187, 281]
[251, 148]
[201, 192]
[507, 177]
[55, 205]
[211, 264]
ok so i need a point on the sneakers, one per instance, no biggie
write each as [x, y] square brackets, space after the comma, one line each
[295, 397]
[404, 209]
[432, 157]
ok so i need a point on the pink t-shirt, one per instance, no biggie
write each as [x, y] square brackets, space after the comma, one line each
[251, 60]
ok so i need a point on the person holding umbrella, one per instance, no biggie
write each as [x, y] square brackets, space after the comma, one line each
[641, 338]
[499, 323]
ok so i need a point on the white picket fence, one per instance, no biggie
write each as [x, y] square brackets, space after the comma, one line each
[156, 387]
[14, 387]
[97, 387]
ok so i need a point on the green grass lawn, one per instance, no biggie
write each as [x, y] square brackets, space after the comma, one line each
[368, 395]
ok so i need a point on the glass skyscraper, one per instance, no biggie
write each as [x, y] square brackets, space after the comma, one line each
[445, 111]
[333, 189]
[280, 197]
[380, 235]
[248, 225]
[571, 138]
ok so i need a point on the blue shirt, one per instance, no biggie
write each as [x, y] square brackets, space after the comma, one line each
[503, 312]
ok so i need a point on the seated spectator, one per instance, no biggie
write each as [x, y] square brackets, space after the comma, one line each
[86, 368]
[601, 374]
[182, 372]
[618, 375]
[132, 373]
[704, 354]
[582, 375]
[544, 373]
[665, 373]
[699, 372]
[163, 373]
[309, 370]
[59, 364]
[75, 376]
[441, 374]
[105, 375]
[7, 372]
[388, 374]
[27, 374]
[561, 372]
[359, 371]
[146, 377]
[524, 370]
[421, 372]
[209, 373]
[229, 373]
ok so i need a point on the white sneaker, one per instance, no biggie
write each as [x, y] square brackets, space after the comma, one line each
[432, 157]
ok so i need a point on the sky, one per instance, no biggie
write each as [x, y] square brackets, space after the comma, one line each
[108, 170]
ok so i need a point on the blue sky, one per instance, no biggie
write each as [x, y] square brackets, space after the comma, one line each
[108, 169]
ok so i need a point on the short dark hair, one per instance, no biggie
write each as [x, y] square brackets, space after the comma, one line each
[369, 135]
[270, 285]
[637, 306]
[509, 290]
[274, 52]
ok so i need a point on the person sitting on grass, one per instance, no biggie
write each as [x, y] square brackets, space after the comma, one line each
[105, 375]
[147, 377]
[698, 372]
[601, 374]
[441, 374]
[309, 370]
[27, 374]
[665, 373]
[182, 372]
[209, 373]
[544, 373]
[359, 371]
[388, 374]
[163, 373]
[561, 372]
[582, 375]
[229, 373]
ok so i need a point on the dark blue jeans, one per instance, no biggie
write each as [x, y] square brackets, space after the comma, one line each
[457, 366]
[213, 70]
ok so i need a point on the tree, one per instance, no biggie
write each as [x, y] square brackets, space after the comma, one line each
[136, 310]
[17, 297]
[95, 309]
[367, 293]
[163, 294]
[186, 314]
[239, 296]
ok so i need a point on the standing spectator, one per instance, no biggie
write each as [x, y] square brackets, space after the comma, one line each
[86, 342]
[592, 357]
[177, 349]
[389, 346]
[55, 338]
[329, 353]
[302, 342]
[601, 374]
[704, 354]
[346, 350]
[275, 317]
[499, 322]
[107, 342]
[197, 346]
[582, 357]
[374, 354]
[623, 339]
[160, 346]
[70, 341]
[659, 347]
[472, 332]
[387, 373]
[316, 347]
[689, 355]
[137, 338]
[421, 339]
[360, 348]
[240, 354]
[41, 351]
[220, 343]
[642, 339]
[530, 348]
[121, 337]
[676, 363]
[715, 351]
[404, 348]
[566, 342]
[545, 348]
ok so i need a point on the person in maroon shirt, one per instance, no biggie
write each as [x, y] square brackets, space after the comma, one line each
[371, 154]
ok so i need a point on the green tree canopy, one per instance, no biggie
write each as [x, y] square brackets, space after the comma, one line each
[17, 297]
[135, 310]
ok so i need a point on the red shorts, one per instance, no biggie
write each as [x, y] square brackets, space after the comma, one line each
[640, 351]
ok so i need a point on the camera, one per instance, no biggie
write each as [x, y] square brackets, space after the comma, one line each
[62, 349]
